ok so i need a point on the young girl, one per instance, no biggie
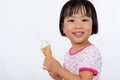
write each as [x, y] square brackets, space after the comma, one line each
[78, 21]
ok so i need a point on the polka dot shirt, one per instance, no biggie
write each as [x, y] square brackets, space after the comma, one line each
[88, 58]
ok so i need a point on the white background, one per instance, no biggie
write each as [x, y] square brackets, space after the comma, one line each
[25, 23]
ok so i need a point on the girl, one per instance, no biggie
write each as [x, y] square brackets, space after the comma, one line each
[78, 21]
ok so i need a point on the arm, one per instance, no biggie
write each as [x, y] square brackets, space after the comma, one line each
[65, 74]
[54, 76]
[54, 66]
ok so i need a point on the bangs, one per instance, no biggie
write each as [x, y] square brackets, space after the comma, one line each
[82, 9]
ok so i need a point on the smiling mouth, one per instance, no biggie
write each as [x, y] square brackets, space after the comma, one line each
[78, 34]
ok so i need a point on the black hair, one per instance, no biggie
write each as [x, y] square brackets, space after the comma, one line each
[75, 6]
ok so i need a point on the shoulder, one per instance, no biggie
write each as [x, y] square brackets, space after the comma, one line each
[92, 50]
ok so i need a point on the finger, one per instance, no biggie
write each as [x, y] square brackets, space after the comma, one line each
[45, 67]
[50, 72]
[45, 59]
[44, 64]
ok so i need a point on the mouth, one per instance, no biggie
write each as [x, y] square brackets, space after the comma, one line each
[78, 34]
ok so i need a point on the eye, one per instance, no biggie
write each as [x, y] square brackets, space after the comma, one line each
[71, 20]
[85, 20]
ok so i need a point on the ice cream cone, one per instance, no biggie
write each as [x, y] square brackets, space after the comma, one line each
[45, 47]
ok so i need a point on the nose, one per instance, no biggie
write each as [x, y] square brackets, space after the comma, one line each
[78, 24]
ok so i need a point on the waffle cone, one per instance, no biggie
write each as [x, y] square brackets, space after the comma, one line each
[47, 51]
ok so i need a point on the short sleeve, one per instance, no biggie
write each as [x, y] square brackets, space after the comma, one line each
[91, 60]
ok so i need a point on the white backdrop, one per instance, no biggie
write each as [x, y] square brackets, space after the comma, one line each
[25, 23]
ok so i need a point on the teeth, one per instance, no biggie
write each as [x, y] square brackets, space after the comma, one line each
[78, 34]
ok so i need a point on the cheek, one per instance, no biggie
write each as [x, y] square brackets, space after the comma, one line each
[65, 28]
[89, 30]
[67, 31]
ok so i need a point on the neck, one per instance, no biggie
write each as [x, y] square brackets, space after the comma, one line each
[78, 46]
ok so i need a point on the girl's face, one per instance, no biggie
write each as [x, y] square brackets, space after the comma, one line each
[77, 28]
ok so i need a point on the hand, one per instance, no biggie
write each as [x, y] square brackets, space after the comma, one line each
[51, 65]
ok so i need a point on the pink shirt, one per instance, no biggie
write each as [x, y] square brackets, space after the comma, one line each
[88, 58]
